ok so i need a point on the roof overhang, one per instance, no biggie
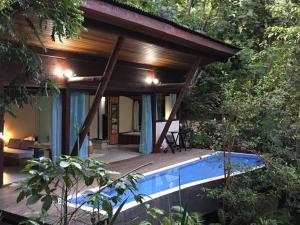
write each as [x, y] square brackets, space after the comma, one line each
[175, 48]
[141, 25]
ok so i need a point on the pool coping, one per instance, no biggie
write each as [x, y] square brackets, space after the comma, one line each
[171, 190]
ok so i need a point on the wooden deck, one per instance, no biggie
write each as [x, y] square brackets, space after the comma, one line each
[157, 160]
[8, 195]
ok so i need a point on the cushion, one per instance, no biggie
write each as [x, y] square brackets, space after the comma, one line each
[17, 153]
[14, 143]
[29, 138]
[26, 144]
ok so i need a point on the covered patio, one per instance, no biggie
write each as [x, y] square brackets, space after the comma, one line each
[125, 55]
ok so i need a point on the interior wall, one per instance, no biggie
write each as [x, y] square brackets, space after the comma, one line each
[44, 114]
[167, 107]
[96, 130]
[29, 121]
[94, 125]
[125, 114]
[22, 125]
[102, 112]
[160, 126]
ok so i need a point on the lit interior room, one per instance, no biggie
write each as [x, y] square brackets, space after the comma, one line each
[24, 128]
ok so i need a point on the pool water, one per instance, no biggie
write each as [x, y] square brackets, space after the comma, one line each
[193, 171]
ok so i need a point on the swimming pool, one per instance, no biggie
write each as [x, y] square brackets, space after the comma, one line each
[183, 175]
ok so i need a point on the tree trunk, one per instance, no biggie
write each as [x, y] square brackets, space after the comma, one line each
[227, 162]
[189, 7]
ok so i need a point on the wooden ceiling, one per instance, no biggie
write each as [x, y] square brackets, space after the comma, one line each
[96, 42]
[149, 40]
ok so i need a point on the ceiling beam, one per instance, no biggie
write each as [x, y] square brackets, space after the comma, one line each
[128, 87]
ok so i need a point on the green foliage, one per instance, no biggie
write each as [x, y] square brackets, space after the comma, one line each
[271, 194]
[63, 18]
[176, 216]
[52, 184]
[253, 100]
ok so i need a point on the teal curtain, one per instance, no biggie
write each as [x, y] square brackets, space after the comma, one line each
[56, 127]
[146, 130]
[78, 115]
[173, 101]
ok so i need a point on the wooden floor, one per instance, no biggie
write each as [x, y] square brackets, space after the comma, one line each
[157, 161]
[8, 195]
[114, 153]
[13, 174]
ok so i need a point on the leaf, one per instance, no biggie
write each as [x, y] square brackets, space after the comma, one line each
[88, 180]
[184, 217]
[107, 207]
[113, 219]
[47, 202]
[77, 165]
[33, 199]
[29, 222]
[158, 211]
[21, 196]
[145, 223]
[64, 164]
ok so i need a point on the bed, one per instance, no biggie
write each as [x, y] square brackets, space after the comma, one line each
[129, 138]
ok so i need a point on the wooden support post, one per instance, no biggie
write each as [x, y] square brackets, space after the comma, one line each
[192, 73]
[153, 110]
[1, 141]
[99, 93]
[66, 113]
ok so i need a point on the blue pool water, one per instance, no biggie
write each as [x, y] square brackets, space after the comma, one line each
[201, 169]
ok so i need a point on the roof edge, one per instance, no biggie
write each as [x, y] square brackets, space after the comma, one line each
[164, 20]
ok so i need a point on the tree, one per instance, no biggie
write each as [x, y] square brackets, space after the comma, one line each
[66, 22]
[53, 184]
[257, 92]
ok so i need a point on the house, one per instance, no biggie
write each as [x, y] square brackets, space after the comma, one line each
[123, 80]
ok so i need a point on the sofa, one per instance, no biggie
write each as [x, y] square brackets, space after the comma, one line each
[17, 152]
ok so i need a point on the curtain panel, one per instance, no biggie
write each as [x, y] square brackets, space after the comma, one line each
[78, 115]
[146, 130]
[56, 127]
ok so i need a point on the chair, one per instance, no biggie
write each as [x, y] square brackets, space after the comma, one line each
[171, 143]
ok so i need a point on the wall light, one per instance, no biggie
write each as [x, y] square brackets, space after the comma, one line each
[151, 80]
[148, 80]
[58, 72]
[155, 81]
[4, 137]
[68, 73]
